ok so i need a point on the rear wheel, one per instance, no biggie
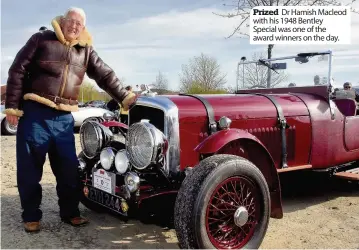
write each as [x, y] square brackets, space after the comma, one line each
[223, 203]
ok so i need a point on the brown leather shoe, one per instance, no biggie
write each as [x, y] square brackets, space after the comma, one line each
[31, 227]
[76, 221]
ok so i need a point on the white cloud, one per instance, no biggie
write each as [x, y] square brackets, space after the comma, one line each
[200, 23]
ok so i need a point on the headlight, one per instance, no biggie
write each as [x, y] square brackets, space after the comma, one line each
[93, 137]
[144, 144]
[107, 158]
[121, 161]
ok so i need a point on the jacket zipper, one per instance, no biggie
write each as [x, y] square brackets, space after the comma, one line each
[65, 73]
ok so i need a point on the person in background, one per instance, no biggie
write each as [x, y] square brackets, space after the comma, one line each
[316, 80]
[348, 87]
[41, 105]
[129, 88]
[292, 84]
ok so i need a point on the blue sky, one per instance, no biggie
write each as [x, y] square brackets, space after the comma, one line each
[138, 38]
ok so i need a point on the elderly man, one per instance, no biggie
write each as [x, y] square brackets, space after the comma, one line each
[42, 90]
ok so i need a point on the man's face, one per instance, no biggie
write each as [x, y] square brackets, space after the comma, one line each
[72, 26]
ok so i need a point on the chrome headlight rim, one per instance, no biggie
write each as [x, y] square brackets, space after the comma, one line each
[97, 129]
[157, 141]
[118, 159]
[82, 163]
[111, 154]
[132, 181]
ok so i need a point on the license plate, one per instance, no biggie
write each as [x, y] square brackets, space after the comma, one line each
[103, 180]
[110, 201]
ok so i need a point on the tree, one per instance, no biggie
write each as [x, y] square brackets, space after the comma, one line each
[197, 88]
[204, 72]
[161, 83]
[241, 9]
[89, 91]
[255, 76]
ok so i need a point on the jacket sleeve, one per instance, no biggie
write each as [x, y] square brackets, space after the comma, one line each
[106, 78]
[17, 73]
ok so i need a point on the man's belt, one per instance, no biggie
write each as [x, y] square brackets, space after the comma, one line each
[57, 99]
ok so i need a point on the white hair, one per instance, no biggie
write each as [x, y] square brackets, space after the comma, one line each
[79, 11]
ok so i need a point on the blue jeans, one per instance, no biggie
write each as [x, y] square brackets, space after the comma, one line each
[43, 130]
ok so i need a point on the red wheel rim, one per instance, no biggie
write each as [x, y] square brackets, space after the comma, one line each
[231, 195]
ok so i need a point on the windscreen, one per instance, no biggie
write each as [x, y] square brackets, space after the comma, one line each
[295, 71]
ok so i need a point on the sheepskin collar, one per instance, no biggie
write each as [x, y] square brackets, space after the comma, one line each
[84, 39]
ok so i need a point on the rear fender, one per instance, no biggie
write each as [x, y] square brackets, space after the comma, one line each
[241, 143]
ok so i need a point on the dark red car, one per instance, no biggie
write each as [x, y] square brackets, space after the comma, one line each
[219, 156]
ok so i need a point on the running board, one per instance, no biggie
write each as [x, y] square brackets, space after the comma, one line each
[350, 174]
[282, 170]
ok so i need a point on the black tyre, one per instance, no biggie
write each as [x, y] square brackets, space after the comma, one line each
[7, 128]
[223, 203]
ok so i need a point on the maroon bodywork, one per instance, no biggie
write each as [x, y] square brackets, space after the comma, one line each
[254, 133]
[114, 124]
[309, 137]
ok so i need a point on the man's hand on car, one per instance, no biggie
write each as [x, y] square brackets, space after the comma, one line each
[129, 102]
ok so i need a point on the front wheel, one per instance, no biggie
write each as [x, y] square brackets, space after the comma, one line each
[223, 203]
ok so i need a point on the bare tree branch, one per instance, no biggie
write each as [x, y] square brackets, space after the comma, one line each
[204, 71]
[161, 83]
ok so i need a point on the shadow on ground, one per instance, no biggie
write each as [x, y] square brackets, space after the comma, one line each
[299, 191]
[303, 189]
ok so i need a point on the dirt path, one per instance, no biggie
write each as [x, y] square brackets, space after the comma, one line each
[318, 214]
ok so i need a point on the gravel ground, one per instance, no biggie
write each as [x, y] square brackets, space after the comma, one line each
[318, 213]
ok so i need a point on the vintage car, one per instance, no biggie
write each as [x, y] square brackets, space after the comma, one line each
[220, 156]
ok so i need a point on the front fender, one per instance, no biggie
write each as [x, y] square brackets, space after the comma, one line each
[114, 124]
[218, 140]
[224, 140]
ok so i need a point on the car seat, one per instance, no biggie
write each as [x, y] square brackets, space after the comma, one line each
[348, 107]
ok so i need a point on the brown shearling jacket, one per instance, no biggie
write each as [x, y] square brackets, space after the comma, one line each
[50, 70]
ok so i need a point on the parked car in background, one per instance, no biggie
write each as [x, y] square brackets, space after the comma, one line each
[6, 127]
[84, 114]
[95, 103]
[89, 113]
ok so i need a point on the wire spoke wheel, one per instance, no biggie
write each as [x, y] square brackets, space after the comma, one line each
[223, 204]
[232, 213]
